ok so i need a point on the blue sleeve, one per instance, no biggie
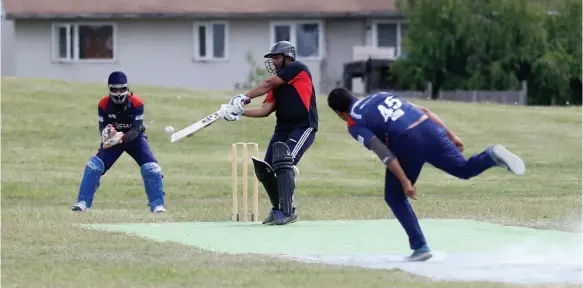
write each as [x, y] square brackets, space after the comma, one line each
[138, 117]
[137, 125]
[102, 119]
[361, 134]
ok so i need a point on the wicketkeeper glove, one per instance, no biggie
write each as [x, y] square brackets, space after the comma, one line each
[114, 137]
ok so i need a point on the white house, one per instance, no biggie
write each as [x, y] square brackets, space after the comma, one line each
[193, 43]
[7, 41]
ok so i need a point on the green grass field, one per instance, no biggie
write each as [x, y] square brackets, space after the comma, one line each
[49, 131]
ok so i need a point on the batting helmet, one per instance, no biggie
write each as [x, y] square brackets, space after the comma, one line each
[284, 48]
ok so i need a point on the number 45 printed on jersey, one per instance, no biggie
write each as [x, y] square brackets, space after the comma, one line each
[391, 108]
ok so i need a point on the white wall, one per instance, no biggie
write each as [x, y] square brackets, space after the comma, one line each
[151, 52]
[8, 61]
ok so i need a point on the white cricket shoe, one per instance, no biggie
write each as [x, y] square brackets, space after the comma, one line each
[80, 206]
[159, 209]
[507, 160]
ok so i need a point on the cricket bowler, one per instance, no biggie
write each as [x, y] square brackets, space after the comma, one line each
[291, 95]
[120, 118]
[414, 136]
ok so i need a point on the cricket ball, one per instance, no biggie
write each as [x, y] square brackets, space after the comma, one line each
[169, 129]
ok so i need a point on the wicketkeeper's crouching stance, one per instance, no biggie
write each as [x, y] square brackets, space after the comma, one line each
[120, 116]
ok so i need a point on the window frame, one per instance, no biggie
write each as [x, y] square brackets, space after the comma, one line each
[292, 24]
[375, 42]
[209, 41]
[73, 56]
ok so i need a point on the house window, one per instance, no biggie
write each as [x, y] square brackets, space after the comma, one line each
[210, 41]
[306, 36]
[84, 42]
[282, 33]
[389, 34]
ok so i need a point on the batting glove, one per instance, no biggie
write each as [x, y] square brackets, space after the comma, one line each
[226, 112]
[240, 100]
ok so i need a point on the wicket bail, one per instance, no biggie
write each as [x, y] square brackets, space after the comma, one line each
[235, 216]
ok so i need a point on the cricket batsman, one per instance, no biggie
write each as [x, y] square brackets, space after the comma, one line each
[415, 136]
[120, 118]
[291, 95]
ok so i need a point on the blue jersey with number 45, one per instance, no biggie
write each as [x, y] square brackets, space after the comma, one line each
[382, 115]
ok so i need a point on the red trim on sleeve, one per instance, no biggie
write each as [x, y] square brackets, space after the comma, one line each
[136, 101]
[103, 103]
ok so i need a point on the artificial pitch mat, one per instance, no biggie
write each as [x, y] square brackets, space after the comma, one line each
[464, 250]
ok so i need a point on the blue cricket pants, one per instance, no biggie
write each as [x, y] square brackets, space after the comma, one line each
[298, 140]
[138, 149]
[426, 143]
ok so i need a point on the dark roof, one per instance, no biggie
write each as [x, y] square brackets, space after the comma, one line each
[30, 9]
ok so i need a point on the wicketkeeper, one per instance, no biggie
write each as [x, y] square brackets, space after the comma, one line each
[120, 117]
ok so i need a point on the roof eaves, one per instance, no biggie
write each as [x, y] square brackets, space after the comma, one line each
[153, 15]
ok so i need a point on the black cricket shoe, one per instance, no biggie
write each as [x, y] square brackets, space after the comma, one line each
[271, 217]
[282, 219]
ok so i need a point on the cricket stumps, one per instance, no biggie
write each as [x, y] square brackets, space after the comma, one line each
[244, 216]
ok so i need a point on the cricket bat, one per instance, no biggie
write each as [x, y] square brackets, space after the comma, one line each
[193, 128]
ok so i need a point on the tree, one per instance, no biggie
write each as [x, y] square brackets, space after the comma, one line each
[562, 59]
[432, 43]
[493, 45]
